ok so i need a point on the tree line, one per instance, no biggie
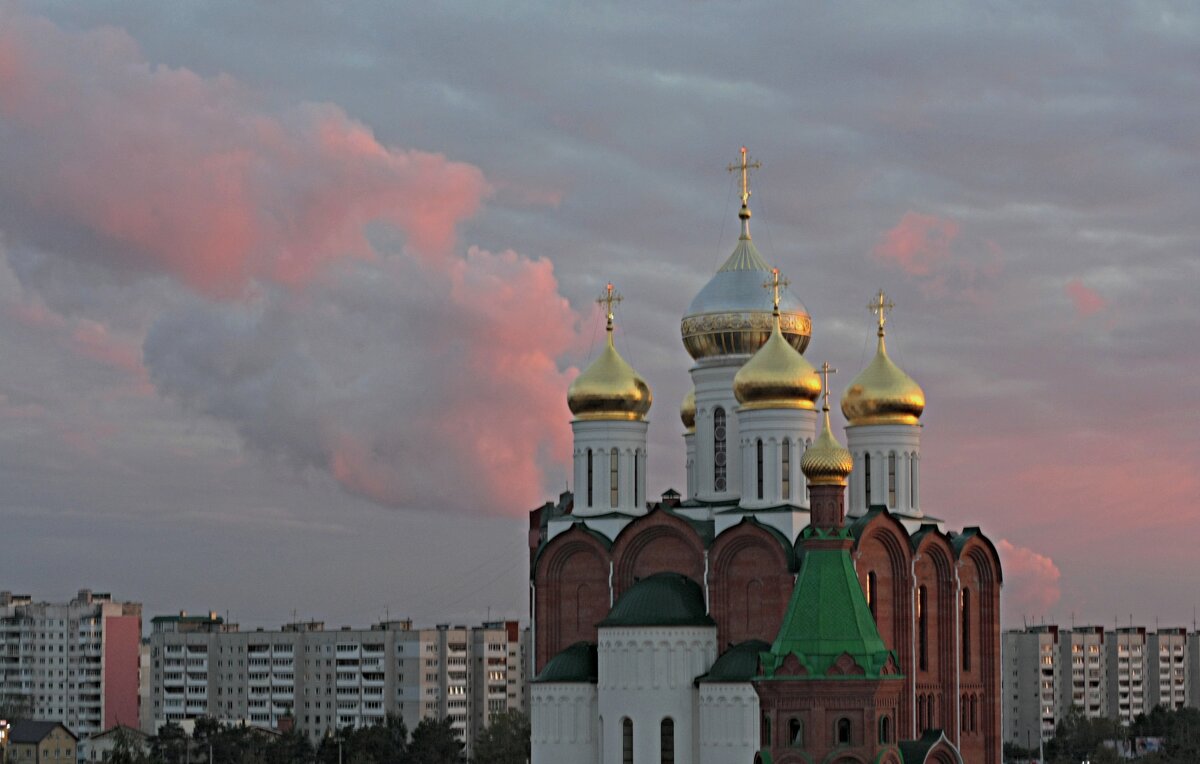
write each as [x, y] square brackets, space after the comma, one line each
[1079, 738]
[504, 741]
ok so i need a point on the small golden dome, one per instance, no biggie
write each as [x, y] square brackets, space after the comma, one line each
[687, 410]
[777, 377]
[883, 394]
[826, 462]
[609, 388]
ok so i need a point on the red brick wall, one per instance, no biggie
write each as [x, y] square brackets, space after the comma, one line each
[750, 584]
[571, 593]
[883, 548]
[656, 543]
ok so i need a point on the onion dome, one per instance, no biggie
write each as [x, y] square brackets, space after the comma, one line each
[727, 317]
[609, 388]
[687, 410]
[882, 393]
[826, 462]
[777, 377]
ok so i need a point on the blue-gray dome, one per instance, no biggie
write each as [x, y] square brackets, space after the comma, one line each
[732, 313]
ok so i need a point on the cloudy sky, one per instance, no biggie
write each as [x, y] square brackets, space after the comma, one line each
[291, 292]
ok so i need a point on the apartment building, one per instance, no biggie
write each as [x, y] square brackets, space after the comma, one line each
[1119, 673]
[328, 679]
[1170, 673]
[1031, 684]
[1128, 669]
[72, 662]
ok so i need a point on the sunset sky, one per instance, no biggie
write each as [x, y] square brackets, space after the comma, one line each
[291, 292]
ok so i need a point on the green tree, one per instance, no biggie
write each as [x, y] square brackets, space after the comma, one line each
[169, 746]
[434, 742]
[506, 740]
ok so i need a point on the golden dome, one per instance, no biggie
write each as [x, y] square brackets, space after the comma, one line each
[777, 376]
[882, 393]
[609, 388]
[687, 410]
[826, 462]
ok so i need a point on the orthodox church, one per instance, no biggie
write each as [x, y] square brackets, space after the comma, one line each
[798, 604]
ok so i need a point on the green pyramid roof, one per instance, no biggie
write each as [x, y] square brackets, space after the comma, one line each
[827, 620]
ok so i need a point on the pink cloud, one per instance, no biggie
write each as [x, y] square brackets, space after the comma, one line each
[1085, 301]
[1031, 582]
[500, 415]
[919, 244]
[176, 173]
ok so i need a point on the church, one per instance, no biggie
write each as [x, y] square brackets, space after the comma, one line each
[798, 604]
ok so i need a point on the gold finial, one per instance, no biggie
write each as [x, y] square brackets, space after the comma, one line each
[775, 284]
[608, 299]
[745, 166]
[825, 371]
[880, 307]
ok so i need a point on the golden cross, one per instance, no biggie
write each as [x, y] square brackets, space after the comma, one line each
[775, 283]
[881, 306]
[745, 166]
[608, 299]
[826, 370]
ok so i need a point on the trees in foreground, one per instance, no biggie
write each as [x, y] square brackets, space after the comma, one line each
[504, 741]
[1079, 738]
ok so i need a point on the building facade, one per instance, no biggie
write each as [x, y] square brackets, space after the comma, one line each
[328, 679]
[738, 535]
[73, 662]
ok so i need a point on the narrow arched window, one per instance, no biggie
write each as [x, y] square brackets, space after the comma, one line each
[785, 469]
[892, 480]
[719, 449]
[613, 475]
[766, 731]
[589, 477]
[912, 481]
[923, 628]
[932, 708]
[637, 490]
[974, 701]
[867, 481]
[921, 719]
[759, 450]
[843, 731]
[885, 729]
[872, 591]
[796, 733]
[627, 740]
[966, 629]
[667, 741]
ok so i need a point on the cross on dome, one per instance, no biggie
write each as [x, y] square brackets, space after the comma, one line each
[775, 284]
[745, 166]
[608, 299]
[825, 371]
[881, 307]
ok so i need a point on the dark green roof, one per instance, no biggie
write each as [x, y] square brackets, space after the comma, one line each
[828, 618]
[916, 751]
[664, 599]
[578, 663]
[737, 664]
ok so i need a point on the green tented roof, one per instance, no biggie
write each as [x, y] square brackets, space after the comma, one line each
[737, 664]
[828, 618]
[664, 599]
[578, 663]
